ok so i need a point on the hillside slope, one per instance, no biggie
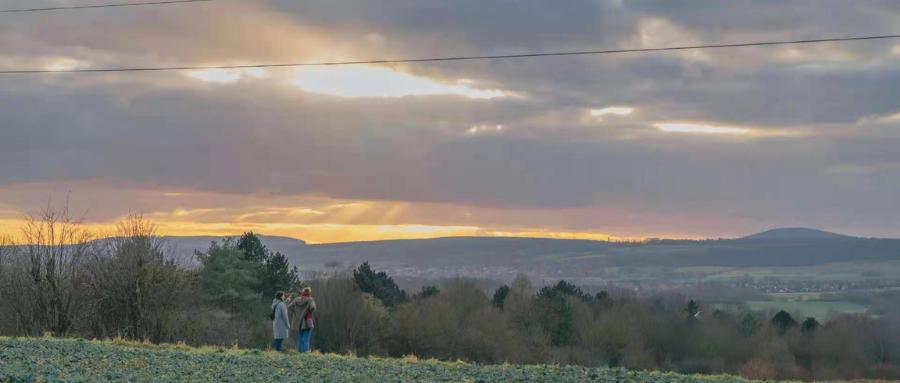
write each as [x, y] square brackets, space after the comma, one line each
[51, 360]
[184, 246]
[581, 261]
[795, 233]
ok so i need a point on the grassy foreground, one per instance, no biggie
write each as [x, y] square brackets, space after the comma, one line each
[70, 360]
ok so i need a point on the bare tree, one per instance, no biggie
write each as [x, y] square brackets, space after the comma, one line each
[47, 280]
[7, 319]
[6, 250]
[137, 286]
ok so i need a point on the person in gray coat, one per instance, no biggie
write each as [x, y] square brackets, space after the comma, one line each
[281, 324]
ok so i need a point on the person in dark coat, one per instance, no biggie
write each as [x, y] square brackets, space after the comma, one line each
[302, 308]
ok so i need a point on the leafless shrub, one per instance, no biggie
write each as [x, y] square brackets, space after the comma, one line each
[46, 279]
[137, 286]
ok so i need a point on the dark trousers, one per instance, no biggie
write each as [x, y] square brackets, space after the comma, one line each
[278, 343]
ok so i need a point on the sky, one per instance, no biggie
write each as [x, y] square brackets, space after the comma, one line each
[687, 144]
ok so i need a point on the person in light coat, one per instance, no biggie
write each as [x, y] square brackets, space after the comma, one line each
[281, 324]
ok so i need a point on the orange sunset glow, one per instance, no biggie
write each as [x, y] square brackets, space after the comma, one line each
[625, 147]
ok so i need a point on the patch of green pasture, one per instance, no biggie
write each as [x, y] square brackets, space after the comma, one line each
[839, 271]
[820, 310]
[806, 296]
[704, 269]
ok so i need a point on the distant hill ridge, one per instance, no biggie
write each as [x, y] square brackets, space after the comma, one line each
[796, 233]
[184, 246]
[503, 257]
[280, 243]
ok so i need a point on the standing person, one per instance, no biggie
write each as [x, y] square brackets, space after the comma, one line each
[303, 308]
[281, 323]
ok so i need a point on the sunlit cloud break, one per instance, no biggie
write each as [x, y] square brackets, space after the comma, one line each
[226, 76]
[484, 128]
[684, 127]
[65, 63]
[612, 111]
[720, 130]
[368, 81]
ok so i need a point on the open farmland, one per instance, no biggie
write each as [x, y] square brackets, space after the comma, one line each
[820, 310]
[52, 360]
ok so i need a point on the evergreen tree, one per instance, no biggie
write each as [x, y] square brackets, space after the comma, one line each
[253, 249]
[809, 325]
[557, 316]
[783, 321]
[274, 271]
[227, 280]
[750, 324]
[278, 275]
[500, 296]
[428, 291]
[378, 284]
[692, 310]
[563, 288]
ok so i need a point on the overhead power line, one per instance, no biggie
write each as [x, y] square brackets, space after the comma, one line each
[449, 58]
[62, 8]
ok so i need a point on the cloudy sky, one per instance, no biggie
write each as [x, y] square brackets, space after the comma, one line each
[712, 143]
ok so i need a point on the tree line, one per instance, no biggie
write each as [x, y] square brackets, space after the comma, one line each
[60, 279]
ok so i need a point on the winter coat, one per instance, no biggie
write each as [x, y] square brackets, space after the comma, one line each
[281, 326]
[302, 309]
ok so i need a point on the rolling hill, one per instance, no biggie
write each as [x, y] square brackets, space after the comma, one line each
[582, 260]
[798, 253]
[795, 233]
[184, 246]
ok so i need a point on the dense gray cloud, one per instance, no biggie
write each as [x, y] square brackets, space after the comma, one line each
[822, 153]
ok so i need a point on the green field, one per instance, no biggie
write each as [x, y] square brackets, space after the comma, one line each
[816, 309]
[838, 271]
[819, 309]
[53, 360]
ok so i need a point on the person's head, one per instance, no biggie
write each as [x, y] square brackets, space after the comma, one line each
[279, 295]
[307, 292]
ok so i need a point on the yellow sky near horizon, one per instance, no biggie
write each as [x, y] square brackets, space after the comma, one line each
[10, 229]
[313, 218]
